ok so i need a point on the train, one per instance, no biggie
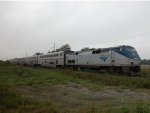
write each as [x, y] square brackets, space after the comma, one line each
[122, 59]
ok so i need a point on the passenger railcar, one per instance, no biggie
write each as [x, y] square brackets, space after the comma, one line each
[31, 61]
[14, 61]
[54, 59]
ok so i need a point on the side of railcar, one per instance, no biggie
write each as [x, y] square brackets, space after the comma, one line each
[31, 61]
[117, 59]
[54, 59]
[90, 59]
[21, 61]
[13, 61]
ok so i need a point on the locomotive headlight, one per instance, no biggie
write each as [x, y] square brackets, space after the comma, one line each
[132, 63]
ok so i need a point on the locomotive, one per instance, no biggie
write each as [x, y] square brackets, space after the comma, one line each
[114, 59]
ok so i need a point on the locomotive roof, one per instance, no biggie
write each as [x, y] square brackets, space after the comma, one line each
[109, 48]
[99, 49]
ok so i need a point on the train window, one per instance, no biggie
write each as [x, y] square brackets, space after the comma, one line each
[93, 52]
[71, 61]
[45, 62]
[51, 62]
[96, 52]
[61, 54]
[55, 55]
[105, 50]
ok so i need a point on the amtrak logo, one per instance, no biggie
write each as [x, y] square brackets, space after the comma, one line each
[103, 58]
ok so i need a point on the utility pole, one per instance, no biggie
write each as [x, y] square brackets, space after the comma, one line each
[26, 54]
[54, 46]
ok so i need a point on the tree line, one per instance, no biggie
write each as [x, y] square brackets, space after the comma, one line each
[145, 62]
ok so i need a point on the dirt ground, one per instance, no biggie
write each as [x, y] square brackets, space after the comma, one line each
[74, 95]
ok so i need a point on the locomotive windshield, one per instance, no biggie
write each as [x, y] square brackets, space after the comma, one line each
[127, 51]
[131, 53]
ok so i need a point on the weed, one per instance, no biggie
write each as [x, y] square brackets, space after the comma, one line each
[125, 110]
[142, 108]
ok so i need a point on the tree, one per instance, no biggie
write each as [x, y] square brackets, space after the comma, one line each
[145, 62]
[87, 49]
[38, 53]
[65, 47]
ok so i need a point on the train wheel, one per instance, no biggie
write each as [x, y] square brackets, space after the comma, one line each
[111, 70]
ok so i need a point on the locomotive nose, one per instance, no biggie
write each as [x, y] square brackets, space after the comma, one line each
[135, 62]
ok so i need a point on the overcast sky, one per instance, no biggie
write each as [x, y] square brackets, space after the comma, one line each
[35, 26]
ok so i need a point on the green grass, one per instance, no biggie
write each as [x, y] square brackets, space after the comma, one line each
[114, 80]
[18, 75]
[12, 101]
[145, 70]
[137, 108]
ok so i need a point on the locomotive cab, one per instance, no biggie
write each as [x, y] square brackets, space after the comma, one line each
[131, 54]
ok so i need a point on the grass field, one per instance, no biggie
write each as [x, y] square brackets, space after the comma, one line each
[43, 90]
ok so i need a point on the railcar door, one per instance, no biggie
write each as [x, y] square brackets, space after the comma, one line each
[112, 58]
